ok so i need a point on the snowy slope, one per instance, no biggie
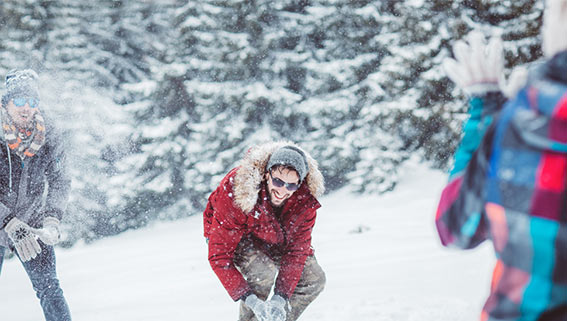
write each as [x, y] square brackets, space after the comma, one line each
[381, 255]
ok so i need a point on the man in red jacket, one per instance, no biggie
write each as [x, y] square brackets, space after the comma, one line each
[258, 222]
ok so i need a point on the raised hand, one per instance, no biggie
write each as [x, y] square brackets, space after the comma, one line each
[478, 66]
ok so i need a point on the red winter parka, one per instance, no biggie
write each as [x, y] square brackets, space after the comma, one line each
[239, 208]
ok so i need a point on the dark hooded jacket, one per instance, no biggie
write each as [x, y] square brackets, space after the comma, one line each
[35, 187]
[514, 192]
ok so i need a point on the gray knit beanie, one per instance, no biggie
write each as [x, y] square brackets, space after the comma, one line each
[20, 83]
[290, 156]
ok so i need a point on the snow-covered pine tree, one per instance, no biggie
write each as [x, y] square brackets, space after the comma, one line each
[87, 54]
[254, 71]
[24, 28]
[126, 40]
[341, 51]
[100, 50]
[518, 23]
[357, 83]
[203, 111]
[423, 107]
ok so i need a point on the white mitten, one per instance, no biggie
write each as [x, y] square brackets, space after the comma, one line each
[517, 80]
[259, 307]
[49, 233]
[477, 67]
[554, 30]
[23, 238]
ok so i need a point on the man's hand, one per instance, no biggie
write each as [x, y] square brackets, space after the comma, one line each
[477, 67]
[23, 238]
[276, 308]
[49, 233]
[259, 307]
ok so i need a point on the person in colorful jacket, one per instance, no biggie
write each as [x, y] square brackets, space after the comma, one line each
[34, 188]
[509, 181]
[258, 222]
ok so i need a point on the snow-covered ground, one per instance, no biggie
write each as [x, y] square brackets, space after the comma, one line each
[381, 255]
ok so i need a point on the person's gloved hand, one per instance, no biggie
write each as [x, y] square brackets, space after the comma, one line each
[517, 79]
[259, 307]
[23, 238]
[49, 233]
[276, 308]
[477, 67]
[554, 28]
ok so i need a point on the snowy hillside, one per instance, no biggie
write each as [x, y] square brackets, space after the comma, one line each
[381, 256]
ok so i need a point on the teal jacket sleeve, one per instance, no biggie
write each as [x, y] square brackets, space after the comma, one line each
[460, 213]
[482, 111]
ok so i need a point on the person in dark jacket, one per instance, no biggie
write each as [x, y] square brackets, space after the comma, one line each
[509, 182]
[34, 188]
[258, 222]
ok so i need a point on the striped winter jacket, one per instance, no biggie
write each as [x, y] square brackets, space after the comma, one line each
[512, 190]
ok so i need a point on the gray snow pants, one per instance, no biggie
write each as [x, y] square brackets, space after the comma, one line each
[260, 273]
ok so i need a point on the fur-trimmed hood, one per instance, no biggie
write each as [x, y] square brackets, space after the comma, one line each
[249, 176]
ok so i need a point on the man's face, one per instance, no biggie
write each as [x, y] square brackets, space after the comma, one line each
[21, 111]
[289, 177]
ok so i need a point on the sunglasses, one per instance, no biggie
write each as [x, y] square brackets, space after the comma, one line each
[279, 183]
[21, 102]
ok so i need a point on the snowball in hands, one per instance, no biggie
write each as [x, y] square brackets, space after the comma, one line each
[259, 307]
[272, 310]
[49, 234]
[276, 308]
